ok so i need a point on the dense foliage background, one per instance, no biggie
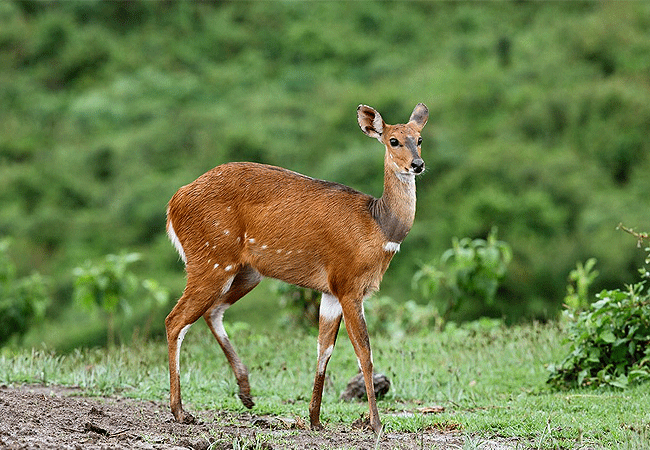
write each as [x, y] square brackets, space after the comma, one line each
[539, 120]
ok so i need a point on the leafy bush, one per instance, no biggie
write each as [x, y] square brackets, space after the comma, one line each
[470, 270]
[610, 340]
[23, 301]
[112, 287]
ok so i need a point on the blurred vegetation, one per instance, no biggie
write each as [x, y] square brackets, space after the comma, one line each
[111, 286]
[23, 301]
[538, 125]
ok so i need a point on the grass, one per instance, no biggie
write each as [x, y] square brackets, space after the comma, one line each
[491, 382]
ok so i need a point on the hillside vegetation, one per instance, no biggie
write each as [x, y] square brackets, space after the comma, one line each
[539, 120]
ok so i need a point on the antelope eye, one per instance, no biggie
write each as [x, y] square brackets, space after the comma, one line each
[419, 141]
[394, 142]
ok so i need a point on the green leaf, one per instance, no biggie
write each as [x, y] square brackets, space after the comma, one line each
[620, 382]
[607, 336]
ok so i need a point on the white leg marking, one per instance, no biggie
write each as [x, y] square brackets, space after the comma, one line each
[177, 244]
[322, 359]
[227, 284]
[330, 308]
[392, 247]
[216, 318]
[179, 341]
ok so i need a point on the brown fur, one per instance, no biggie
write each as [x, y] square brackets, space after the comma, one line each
[241, 221]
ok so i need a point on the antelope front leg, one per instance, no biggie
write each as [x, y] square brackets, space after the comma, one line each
[328, 326]
[355, 324]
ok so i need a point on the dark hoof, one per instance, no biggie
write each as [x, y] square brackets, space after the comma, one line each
[317, 426]
[185, 418]
[247, 400]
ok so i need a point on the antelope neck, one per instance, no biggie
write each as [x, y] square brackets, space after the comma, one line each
[395, 210]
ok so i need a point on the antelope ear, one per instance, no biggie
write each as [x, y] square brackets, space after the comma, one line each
[420, 115]
[370, 121]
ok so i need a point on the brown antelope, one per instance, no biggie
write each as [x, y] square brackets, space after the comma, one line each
[240, 222]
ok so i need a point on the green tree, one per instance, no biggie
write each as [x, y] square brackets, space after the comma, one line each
[110, 285]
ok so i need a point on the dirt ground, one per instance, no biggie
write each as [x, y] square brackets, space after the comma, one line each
[48, 417]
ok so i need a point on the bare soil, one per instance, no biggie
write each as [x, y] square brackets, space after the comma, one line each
[47, 417]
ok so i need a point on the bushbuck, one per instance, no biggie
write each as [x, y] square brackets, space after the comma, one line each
[243, 221]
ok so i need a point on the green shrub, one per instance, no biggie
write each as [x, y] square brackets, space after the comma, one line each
[23, 301]
[609, 341]
[470, 270]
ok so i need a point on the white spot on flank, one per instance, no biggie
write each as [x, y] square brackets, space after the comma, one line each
[216, 265]
[288, 252]
[238, 239]
[264, 247]
[392, 247]
[278, 251]
[251, 240]
[179, 341]
[207, 244]
[330, 308]
[177, 244]
[226, 232]
[229, 208]
[228, 268]
[216, 319]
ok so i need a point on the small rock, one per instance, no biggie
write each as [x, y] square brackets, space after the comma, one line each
[356, 388]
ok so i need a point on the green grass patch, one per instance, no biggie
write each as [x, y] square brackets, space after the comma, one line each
[491, 382]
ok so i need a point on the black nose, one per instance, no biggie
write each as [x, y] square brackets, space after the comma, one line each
[417, 165]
